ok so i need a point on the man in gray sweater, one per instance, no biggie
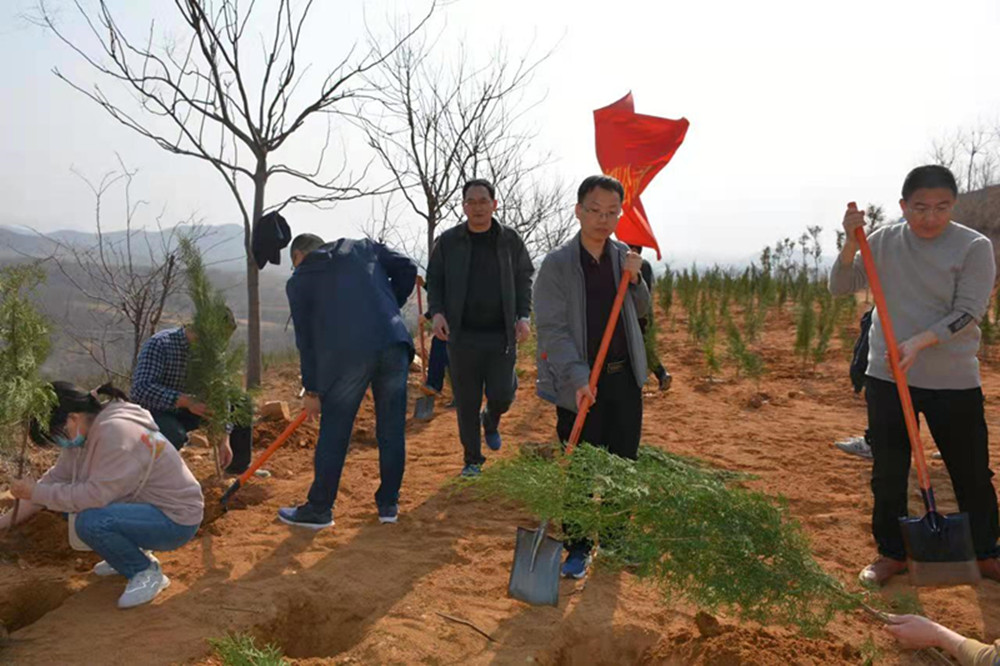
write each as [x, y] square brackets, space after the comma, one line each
[937, 276]
[574, 293]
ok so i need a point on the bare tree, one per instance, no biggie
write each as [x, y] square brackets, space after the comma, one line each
[199, 95]
[126, 277]
[541, 212]
[436, 125]
[973, 155]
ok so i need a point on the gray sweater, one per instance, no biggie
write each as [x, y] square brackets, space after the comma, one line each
[561, 322]
[942, 285]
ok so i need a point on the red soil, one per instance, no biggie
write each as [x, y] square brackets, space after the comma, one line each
[364, 593]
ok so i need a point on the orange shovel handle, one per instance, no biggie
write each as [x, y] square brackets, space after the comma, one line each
[275, 445]
[602, 354]
[420, 326]
[909, 414]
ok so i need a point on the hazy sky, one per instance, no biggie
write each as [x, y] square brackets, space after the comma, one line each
[795, 107]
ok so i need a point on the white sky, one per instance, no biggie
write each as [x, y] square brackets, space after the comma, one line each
[795, 107]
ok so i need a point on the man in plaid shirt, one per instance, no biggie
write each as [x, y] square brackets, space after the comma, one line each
[158, 385]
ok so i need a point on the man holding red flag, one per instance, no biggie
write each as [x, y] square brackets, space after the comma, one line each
[574, 293]
[576, 287]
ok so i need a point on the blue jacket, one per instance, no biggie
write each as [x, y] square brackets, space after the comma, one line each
[345, 298]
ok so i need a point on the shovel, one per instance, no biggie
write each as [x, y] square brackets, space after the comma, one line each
[938, 548]
[262, 458]
[423, 410]
[534, 576]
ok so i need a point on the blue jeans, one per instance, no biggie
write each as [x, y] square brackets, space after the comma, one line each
[116, 532]
[437, 364]
[386, 371]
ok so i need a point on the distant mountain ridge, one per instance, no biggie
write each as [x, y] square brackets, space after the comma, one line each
[221, 246]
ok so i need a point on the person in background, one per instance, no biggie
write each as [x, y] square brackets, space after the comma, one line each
[127, 490]
[479, 298]
[437, 361]
[648, 326]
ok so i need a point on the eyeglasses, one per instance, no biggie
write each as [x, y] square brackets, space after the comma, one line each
[927, 211]
[609, 215]
[471, 203]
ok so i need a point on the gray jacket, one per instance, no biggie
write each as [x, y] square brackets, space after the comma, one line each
[561, 323]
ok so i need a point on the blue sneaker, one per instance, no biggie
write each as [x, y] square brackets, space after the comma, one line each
[492, 438]
[576, 565]
[305, 516]
[472, 471]
[388, 514]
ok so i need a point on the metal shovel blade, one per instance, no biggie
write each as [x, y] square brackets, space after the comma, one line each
[534, 577]
[939, 550]
[423, 410]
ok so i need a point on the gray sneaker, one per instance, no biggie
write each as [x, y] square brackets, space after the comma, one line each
[143, 587]
[856, 446]
[102, 568]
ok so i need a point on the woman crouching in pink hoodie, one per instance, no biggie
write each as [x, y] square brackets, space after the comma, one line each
[125, 489]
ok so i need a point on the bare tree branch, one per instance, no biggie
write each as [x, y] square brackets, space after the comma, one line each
[434, 125]
[195, 96]
[124, 279]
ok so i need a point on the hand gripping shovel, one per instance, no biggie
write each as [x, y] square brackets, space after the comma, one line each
[938, 548]
[262, 458]
[423, 410]
[534, 576]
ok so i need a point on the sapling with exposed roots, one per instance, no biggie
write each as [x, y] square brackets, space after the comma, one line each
[690, 529]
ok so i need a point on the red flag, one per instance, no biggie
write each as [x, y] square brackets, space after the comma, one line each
[633, 148]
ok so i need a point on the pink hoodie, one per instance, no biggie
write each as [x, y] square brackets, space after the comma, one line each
[123, 445]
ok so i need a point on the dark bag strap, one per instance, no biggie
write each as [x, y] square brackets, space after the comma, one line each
[859, 360]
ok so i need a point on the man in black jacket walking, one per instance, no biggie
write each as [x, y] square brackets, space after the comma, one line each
[479, 297]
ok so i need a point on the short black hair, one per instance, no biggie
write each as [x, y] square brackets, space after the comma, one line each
[305, 243]
[591, 183]
[927, 177]
[479, 182]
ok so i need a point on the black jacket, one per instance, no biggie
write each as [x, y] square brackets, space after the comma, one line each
[448, 277]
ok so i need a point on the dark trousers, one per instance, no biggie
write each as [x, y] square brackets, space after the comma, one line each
[476, 369]
[957, 424]
[437, 364]
[175, 424]
[386, 372]
[613, 423]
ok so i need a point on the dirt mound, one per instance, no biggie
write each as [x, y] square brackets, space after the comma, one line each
[740, 646]
[43, 541]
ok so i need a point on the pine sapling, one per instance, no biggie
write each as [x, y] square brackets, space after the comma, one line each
[24, 346]
[829, 313]
[665, 291]
[805, 327]
[213, 364]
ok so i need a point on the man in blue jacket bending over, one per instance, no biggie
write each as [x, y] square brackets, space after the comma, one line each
[345, 298]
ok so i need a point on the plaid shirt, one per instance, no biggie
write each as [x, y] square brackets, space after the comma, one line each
[161, 370]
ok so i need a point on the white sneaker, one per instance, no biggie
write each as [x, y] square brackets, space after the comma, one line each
[143, 587]
[102, 568]
[856, 446]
